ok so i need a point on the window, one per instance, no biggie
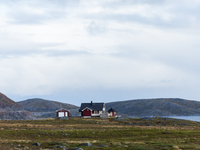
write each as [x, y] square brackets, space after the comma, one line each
[95, 112]
[61, 114]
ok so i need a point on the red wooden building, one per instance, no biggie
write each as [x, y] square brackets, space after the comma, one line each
[112, 112]
[92, 109]
[62, 113]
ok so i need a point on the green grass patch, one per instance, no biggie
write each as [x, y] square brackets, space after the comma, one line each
[136, 133]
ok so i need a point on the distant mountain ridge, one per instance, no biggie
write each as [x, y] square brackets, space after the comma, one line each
[42, 105]
[141, 107]
[157, 107]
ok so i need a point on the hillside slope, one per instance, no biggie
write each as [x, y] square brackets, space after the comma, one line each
[10, 110]
[8, 104]
[41, 105]
[157, 107]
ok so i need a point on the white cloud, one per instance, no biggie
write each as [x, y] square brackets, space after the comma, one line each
[49, 46]
[42, 75]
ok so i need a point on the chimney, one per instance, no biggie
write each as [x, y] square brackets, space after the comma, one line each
[91, 102]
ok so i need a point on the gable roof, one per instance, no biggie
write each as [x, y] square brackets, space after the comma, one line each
[111, 110]
[62, 109]
[92, 106]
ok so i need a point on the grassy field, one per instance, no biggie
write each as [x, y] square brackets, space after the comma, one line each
[139, 134]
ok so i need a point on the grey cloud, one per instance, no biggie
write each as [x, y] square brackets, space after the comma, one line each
[52, 10]
[154, 2]
[121, 3]
[49, 53]
[186, 13]
[95, 28]
[181, 15]
[156, 20]
[24, 17]
[136, 18]
[27, 18]
[56, 53]
[188, 63]
[63, 3]
[41, 4]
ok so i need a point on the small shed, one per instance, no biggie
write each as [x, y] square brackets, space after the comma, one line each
[112, 112]
[62, 113]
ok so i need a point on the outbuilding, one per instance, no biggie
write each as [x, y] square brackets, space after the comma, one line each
[62, 113]
[112, 112]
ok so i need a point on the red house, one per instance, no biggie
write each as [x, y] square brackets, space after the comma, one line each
[112, 112]
[62, 113]
[92, 109]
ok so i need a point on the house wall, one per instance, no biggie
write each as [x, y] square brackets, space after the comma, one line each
[66, 113]
[112, 114]
[86, 112]
[96, 114]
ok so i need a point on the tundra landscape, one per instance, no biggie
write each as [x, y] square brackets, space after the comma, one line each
[99, 134]
[33, 125]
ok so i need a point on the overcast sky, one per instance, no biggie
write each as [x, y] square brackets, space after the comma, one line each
[77, 51]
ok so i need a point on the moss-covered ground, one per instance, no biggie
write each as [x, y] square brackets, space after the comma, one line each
[139, 134]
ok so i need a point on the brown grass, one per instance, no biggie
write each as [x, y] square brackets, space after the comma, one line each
[112, 132]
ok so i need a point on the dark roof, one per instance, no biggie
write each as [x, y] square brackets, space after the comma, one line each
[92, 106]
[111, 110]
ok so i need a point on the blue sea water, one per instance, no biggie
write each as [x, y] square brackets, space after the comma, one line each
[192, 118]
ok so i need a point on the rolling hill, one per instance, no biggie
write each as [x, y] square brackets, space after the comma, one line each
[8, 104]
[42, 105]
[157, 107]
[42, 108]
[10, 110]
[143, 107]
